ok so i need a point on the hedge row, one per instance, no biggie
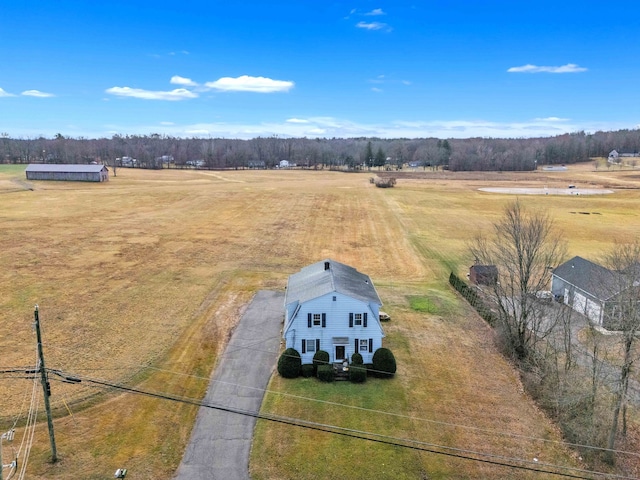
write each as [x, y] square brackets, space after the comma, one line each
[473, 298]
[290, 366]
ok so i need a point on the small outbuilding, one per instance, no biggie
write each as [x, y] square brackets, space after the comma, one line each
[67, 173]
[483, 274]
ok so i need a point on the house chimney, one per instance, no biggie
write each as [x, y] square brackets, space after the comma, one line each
[326, 265]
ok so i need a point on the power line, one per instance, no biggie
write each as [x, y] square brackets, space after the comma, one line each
[373, 437]
[436, 422]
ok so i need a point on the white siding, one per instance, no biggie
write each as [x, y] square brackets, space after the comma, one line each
[593, 311]
[337, 325]
[579, 302]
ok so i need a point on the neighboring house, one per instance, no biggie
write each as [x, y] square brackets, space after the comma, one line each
[331, 306]
[68, 173]
[589, 289]
[613, 156]
[483, 274]
[284, 164]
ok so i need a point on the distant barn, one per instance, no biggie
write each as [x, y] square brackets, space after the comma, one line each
[68, 173]
[483, 274]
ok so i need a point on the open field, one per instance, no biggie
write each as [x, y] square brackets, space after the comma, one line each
[142, 279]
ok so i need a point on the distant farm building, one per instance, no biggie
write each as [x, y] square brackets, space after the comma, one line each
[483, 274]
[67, 173]
[616, 157]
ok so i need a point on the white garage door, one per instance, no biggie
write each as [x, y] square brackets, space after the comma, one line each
[593, 311]
[579, 302]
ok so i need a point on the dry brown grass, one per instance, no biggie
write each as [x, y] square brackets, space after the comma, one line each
[143, 278]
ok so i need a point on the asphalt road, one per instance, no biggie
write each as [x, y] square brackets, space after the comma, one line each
[221, 440]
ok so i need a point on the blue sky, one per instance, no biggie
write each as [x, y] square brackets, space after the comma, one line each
[448, 69]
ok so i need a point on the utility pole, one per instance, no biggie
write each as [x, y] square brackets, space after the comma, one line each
[46, 388]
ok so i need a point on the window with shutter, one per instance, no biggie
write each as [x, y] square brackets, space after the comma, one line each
[311, 346]
[304, 346]
[324, 320]
[308, 320]
[364, 320]
[351, 320]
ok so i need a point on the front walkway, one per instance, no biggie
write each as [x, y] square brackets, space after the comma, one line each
[221, 441]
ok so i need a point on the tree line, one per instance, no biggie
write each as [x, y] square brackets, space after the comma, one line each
[155, 150]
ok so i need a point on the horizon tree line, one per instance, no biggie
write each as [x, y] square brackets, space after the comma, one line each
[484, 154]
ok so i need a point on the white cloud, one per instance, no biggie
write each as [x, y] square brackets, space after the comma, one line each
[297, 120]
[376, 89]
[568, 68]
[245, 83]
[5, 94]
[329, 127]
[37, 93]
[376, 11]
[373, 26]
[178, 80]
[551, 119]
[167, 123]
[173, 95]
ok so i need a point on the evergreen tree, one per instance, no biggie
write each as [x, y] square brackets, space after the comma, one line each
[380, 158]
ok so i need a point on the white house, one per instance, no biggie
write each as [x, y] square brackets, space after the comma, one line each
[331, 306]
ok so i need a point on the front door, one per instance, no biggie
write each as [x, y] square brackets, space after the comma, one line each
[340, 353]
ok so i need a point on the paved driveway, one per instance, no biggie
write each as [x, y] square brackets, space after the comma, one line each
[221, 441]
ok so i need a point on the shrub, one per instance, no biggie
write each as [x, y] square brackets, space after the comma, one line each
[320, 358]
[385, 182]
[289, 363]
[357, 373]
[384, 363]
[356, 358]
[474, 300]
[325, 373]
[308, 370]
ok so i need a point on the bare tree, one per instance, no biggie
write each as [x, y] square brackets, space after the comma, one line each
[623, 314]
[524, 248]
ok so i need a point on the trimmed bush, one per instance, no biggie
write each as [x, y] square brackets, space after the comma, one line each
[308, 370]
[384, 363]
[289, 363]
[357, 373]
[325, 373]
[320, 358]
[356, 358]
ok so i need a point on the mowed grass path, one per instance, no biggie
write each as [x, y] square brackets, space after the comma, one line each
[143, 278]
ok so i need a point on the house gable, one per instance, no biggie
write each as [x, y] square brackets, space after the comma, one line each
[591, 289]
[586, 276]
[323, 311]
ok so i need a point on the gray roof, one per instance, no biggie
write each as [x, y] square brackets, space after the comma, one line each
[485, 269]
[315, 281]
[64, 168]
[589, 277]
